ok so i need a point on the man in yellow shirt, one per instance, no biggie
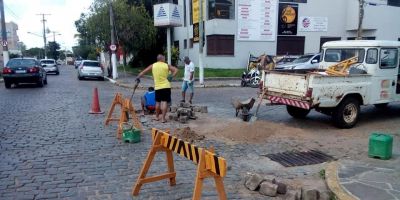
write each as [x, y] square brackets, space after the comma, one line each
[162, 75]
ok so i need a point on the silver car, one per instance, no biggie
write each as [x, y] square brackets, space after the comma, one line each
[305, 62]
[50, 66]
[90, 69]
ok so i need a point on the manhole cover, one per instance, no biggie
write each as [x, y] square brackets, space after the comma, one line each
[300, 158]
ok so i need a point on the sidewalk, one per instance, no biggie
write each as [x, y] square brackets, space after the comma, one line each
[357, 180]
[128, 80]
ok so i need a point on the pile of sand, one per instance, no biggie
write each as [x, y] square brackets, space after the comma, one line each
[188, 135]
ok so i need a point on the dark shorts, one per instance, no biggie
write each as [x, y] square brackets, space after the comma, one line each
[163, 95]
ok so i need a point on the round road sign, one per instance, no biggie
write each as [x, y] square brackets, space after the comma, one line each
[4, 43]
[113, 47]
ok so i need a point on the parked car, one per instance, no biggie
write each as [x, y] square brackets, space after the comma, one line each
[50, 66]
[308, 61]
[90, 69]
[280, 60]
[24, 70]
[77, 62]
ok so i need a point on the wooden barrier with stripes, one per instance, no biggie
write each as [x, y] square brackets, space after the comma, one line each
[127, 110]
[208, 163]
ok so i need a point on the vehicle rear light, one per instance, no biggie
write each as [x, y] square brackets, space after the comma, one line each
[7, 70]
[33, 70]
[309, 92]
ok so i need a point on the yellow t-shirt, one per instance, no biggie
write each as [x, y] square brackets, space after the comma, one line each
[160, 72]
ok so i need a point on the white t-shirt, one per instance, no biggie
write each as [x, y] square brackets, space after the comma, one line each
[188, 69]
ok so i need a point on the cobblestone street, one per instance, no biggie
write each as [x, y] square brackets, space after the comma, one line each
[51, 148]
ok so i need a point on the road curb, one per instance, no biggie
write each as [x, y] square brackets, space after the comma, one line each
[332, 180]
[115, 82]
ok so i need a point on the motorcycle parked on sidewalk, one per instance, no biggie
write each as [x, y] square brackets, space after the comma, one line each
[251, 78]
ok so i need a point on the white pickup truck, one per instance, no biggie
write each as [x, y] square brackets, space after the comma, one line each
[374, 79]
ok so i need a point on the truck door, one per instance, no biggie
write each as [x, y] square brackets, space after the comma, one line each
[387, 74]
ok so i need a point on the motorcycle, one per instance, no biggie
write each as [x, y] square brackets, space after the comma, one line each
[251, 78]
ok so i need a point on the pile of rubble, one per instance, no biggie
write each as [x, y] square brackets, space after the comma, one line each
[269, 186]
[185, 111]
[188, 135]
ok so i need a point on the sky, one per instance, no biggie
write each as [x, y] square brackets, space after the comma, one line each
[63, 14]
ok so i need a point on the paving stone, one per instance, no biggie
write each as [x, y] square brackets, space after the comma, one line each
[269, 189]
[367, 192]
[253, 181]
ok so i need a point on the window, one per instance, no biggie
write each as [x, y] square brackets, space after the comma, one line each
[221, 9]
[372, 56]
[364, 38]
[388, 58]
[176, 44]
[185, 44]
[191, 43]
[338, 55]
[220, 45]
[184, 13]
[290, 45]
[394, 3]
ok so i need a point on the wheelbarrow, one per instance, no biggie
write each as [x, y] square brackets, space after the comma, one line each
[243, 107]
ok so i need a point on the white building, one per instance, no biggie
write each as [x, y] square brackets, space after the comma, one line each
[12, 40]
[235, 28]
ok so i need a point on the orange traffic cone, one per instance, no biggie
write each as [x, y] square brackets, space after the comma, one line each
[95, 103]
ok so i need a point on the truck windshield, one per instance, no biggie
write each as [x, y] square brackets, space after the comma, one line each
[338, 55]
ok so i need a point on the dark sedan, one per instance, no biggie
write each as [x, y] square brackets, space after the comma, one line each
[24, 70]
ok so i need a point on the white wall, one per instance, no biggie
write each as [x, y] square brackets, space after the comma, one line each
[380, 21]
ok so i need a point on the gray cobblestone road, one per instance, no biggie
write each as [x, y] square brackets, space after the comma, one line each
[51, 148]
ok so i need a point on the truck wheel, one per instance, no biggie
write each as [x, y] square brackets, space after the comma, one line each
[381, 105]
[346, 113]
[297, 112]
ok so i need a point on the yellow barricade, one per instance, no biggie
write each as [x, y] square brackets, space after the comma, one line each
[208, 163]
[127, 110]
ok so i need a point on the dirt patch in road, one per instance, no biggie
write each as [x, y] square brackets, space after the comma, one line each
[235, 130]
[188, 135]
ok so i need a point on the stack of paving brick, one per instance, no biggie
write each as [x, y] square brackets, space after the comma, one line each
[183, 112]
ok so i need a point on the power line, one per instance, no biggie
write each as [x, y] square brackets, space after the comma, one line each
[15, 16]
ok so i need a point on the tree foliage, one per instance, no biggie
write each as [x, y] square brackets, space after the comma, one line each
[34, 52]
[134, 28]
[53, 50]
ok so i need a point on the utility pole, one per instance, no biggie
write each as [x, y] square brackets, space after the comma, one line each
[113, 55]
[44, 32]
[201, 67]
[360, 19]
[6, 56]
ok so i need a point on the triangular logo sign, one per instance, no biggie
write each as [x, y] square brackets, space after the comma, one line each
[161, 12]
[176, 13]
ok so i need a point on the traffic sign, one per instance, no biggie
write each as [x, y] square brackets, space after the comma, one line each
[113, 47]
[4, 43]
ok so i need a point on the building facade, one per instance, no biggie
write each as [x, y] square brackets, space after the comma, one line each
[233, 29]
[14, 46]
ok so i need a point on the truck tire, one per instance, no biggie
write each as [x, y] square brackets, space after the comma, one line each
[346, 113]
[296, 112]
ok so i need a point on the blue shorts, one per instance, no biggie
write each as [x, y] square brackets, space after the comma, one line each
[186, 85]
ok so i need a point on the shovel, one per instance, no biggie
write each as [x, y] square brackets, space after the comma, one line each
[134, 89]
[254, 117]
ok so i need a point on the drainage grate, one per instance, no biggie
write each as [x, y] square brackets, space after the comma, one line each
[300, 158]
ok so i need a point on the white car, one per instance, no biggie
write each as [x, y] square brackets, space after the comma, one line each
[50, 66]
[305, 62]
[90, 69]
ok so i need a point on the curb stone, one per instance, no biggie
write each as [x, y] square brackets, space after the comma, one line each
[332, 180]
[173, 87]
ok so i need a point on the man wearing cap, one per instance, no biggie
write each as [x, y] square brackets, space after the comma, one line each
[162, 77]
[188, 80]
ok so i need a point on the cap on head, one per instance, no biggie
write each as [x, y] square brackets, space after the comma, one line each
[186, 59]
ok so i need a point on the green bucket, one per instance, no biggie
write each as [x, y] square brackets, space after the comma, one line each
[130, 134]
[380, 146]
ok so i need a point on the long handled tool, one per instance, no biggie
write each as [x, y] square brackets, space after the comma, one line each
[254, 117]
[134, 89]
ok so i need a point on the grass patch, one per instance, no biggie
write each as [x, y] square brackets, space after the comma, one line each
[322, 174]
[208, 72]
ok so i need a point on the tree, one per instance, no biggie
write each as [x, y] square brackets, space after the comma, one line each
[34, 52]
[133, 23]
[53, 48]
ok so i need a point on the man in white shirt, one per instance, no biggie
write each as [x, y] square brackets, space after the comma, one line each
[188, 79]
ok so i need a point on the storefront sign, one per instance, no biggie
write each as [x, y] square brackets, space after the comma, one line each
[257, 20]
[168, 14]
[196, 10]
[313, 24]
[287, 23]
